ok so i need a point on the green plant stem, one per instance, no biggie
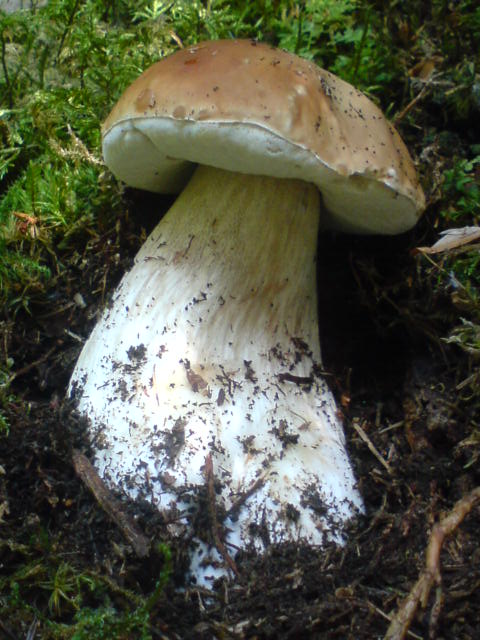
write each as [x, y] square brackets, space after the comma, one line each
[358, 53]
[66, 31]
[5, 71]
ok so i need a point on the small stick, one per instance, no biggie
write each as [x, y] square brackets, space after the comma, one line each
[371, 446]
[213, 516]
[412, 103]
[431, 573]
[387, 617]
[31, 365]
[7, 631]
[249, 492]
[109, 504]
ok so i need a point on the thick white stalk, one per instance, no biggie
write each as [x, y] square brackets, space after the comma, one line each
[208, 349]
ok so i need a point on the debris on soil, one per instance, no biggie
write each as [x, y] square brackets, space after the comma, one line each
[402, 391]
[399, 336]
[431, 575]
[86, 472]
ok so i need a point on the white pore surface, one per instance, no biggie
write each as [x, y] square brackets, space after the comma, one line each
[194, 360]
[157, 154]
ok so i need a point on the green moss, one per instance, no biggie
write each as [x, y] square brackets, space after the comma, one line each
[461, 195]
[461, 188]
[65, 65]
[62, 69]
[70, 603]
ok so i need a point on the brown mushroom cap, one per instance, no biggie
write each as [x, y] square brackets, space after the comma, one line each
[248, 107]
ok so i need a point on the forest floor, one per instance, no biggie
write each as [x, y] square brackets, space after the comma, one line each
[399, 333]
[396, 387]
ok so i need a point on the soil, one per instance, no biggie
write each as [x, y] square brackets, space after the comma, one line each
[395, 382]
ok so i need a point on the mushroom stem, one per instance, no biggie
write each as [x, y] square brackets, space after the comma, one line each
[209, 348]
[238, 266]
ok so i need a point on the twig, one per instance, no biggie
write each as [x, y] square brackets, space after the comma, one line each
[57, 310]
[74, 336]
[412, 103]
[246, 494]
[32, 630]
[395, 425]
[30, 366]
[213, 515]
[109, 504]
[431, 574]
[371, 446]
[7, 631]
[387, 617]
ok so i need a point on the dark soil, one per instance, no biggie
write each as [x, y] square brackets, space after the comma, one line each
[381, 330]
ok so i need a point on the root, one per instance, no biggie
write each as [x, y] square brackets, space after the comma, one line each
[431, 574]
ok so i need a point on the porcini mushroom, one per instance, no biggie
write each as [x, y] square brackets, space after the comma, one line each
[209, 351]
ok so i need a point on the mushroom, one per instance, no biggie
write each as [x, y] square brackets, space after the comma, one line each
[208, 356]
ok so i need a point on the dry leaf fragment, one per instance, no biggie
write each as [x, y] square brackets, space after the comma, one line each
[452, 239]
[425, 68]
[26, 223]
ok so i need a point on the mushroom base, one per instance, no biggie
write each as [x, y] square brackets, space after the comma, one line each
[203, 372]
